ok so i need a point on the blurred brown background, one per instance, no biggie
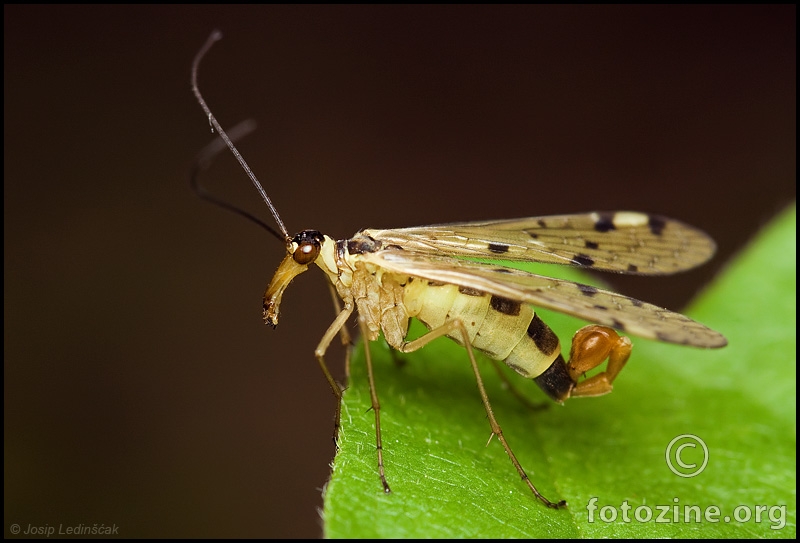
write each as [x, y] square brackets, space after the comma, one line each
[141, 387]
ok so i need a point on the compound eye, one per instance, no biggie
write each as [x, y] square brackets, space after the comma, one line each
[307, 252]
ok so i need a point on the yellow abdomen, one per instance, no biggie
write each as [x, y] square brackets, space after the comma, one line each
[503, 329]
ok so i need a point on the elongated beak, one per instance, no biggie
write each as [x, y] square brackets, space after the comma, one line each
[288, 270]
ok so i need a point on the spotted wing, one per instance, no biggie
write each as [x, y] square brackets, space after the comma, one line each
[583, 301]
[621, 241]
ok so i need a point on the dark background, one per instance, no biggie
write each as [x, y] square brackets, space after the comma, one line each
[141, 387]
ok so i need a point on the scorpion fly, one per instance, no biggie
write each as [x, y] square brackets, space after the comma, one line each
[431, 273]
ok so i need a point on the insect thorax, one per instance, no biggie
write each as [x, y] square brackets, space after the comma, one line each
[378, 296]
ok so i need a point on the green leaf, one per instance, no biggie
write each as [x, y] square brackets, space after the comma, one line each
[609, 451]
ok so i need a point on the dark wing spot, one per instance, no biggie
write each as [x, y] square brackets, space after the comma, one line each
[605, 222]
[663, 337]
[534, 235]
[543, 337]
[503, 270]
[635, 302]
[583, 260]
[505, 306]
[587, 290]
[618, 325]
[541, 223]
[498, 247]
[435, 284]
[633, 268]
[469, 291]
[592, 244]
[657, 225]
[604, 308]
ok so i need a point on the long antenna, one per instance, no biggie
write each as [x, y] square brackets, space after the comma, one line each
[203, 160]
[215, 36]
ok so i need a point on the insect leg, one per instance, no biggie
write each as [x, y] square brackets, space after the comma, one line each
[456, 324]
[343, 333]
[336, 326]
[508, 385]
[591, 345]
[376, 406]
